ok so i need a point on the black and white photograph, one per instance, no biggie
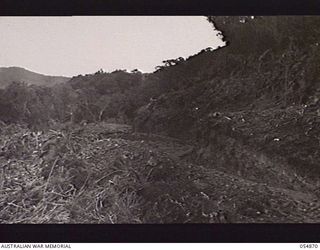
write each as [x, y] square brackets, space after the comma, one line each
[159, 119]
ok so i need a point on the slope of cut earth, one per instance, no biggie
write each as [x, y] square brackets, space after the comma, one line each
[104, 173]
[277, 146]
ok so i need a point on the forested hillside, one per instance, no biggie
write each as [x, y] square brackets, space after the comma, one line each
[223, 126]
[267, 60]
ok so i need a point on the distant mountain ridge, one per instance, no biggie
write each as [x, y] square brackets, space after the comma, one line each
[18, 74]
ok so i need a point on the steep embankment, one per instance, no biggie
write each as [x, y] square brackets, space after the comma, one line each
[276, 146]
[247, 115]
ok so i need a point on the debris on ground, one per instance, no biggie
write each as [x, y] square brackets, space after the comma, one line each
[105, 173]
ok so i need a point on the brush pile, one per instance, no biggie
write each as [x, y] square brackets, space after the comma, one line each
[87, 175]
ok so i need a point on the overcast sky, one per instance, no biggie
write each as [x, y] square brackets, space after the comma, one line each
[78, 45]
